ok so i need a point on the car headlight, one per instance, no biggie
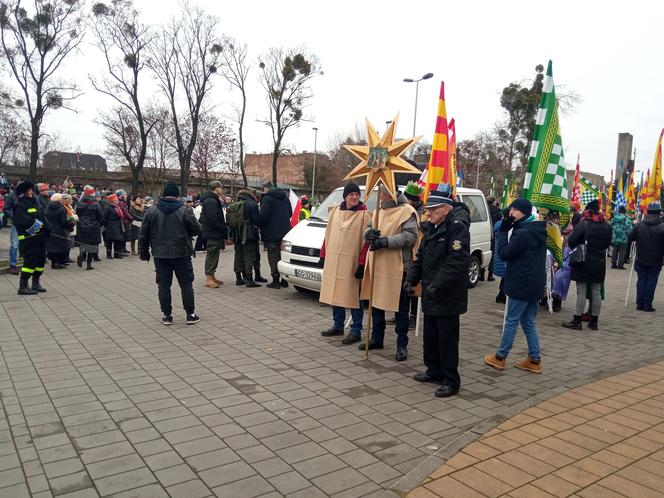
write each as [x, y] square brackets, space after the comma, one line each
[286, 246]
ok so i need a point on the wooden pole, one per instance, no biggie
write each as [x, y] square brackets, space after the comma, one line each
[374, 224]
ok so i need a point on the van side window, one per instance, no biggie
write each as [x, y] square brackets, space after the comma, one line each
[477, 207]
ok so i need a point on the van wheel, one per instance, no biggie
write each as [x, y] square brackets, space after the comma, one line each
[302, 289]
[474, 269]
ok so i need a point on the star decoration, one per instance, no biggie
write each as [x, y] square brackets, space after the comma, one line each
[381, 158]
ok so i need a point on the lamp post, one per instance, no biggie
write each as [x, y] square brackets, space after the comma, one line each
[417, 89]
[313, 178]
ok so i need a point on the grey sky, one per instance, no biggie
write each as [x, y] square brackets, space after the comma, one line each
[609, 53]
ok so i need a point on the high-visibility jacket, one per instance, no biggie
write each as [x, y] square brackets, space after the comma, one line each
[304, 214]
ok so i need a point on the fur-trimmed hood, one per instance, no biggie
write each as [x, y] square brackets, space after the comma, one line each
[247, 193]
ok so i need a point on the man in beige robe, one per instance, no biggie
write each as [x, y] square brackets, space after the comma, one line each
[392, 243]
[344, 253]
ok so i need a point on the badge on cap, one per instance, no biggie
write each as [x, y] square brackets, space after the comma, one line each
[456, 245]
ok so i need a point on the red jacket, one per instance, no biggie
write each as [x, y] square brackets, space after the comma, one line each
[365, 248]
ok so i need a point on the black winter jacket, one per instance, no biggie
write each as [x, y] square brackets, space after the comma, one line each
[275, 215]
[168, 229]
[213, 222]
[599, 240]
[251, 215]
[442, 264]
[115, 229]
[649, 237]
[525, 257]
[56, 215]
[90, 218]
[26, 211]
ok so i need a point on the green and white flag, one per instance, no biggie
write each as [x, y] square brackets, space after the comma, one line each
[545, 183]
[589, 192]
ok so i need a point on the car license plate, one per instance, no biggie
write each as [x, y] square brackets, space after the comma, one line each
[307, 275]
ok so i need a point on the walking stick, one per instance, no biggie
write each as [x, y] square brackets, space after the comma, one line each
[372, 265]
[632, 253]
[418, 320]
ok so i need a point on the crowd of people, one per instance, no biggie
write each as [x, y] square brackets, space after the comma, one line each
[412, 254]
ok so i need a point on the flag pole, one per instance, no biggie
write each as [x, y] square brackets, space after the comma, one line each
[372, 265]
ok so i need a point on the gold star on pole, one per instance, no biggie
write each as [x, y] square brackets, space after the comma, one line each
[381, 158]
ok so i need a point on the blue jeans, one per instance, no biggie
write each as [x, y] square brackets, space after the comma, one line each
[339, 317]
[523, 312]
[646, 284]
[13, 247]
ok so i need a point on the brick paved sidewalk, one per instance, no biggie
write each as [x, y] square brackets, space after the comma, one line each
[602, 440]
[100, 399]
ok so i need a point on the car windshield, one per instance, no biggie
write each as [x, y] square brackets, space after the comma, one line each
[334, 199]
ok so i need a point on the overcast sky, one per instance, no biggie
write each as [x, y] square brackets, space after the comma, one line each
[610, 53]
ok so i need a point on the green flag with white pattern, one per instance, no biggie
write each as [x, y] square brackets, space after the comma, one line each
[545, 183]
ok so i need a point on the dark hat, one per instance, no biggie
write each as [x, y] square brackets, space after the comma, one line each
[213, 184]
[350, 188]
[437, 199]
[592, 205]
[23, 187]
[523, 205]
[490, 200]
[171, 190]
[622, 209]
[654, 208]
[269, 185]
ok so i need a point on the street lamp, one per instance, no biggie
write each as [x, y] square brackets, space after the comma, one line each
[313, 178]
[417, 88]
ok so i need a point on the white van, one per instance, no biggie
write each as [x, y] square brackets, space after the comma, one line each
[300, 249]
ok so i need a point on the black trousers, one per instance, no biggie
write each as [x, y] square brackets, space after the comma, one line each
[441, 349]
[184, 272]
[34, 257]
[245, 258]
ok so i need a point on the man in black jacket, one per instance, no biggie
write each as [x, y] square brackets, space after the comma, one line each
[168, 229]
[524, 253]
[214, 230]
[442, 268]
[649, 238]
[274, 221]
[29, 219]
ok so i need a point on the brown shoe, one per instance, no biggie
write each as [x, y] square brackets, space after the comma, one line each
[219, 282]
[529, 365]
[493, 361]
[210, 282]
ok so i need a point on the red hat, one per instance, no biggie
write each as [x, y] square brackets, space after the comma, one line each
[89, 190]
[112, 198]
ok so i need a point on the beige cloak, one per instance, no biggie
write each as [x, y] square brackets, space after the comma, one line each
[388, 267]
[344, 238]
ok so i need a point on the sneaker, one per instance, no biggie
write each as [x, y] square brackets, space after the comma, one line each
[167, 320]
[14, 270]
[493, 361]
[529, 365]
[193, 318]
[402, 354]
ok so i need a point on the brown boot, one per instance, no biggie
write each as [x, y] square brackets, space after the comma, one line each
[493, 361]
[210, 282]
[529, 365]
[219, 282]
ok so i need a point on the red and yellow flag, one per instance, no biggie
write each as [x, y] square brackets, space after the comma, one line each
[643, 205]
[453, 157]
[631, 194]
[609, 198]
[654, 189]
[438, 168]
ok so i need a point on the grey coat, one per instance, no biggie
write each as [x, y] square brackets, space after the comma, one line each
[407, 237]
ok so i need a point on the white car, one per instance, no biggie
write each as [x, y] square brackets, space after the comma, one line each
[300, 249]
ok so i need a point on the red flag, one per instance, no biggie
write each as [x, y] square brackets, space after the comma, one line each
[296, 206]
[438, 168]
[576, 190]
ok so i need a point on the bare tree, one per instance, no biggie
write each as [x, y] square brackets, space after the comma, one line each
[123, 41]
[184, 59]
[122, 137]
[286, 76]
[12, 134]
[35, 48]
[214, 146]
[236, 69]
[161, 151]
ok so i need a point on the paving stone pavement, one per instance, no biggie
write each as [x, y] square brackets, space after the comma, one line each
[100, 399]
[604, 439]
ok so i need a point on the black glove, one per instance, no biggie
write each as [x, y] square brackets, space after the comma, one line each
[359, 273]
[507, 224]
[372, 234]
[408, 287]
[378, 243]
[144, 256]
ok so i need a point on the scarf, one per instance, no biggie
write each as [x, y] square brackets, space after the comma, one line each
[118, 211]
[594, 216]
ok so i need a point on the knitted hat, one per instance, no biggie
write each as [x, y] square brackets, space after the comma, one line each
[23, 187]
[97, 194]
[654, 208]
[56, 197]
[413, 191]
[112, 198]
[269, 185]
[40, 186]
[522, 205]
[350, 188]
[592, 205]
[622, 209]
[172, 190]
[213, 184]
[120, 192]
[437, 199]
[89, 190]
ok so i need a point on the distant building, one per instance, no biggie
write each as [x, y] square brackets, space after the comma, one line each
[594, 178]
[74, 160]
[291, 169]
[624, 163]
